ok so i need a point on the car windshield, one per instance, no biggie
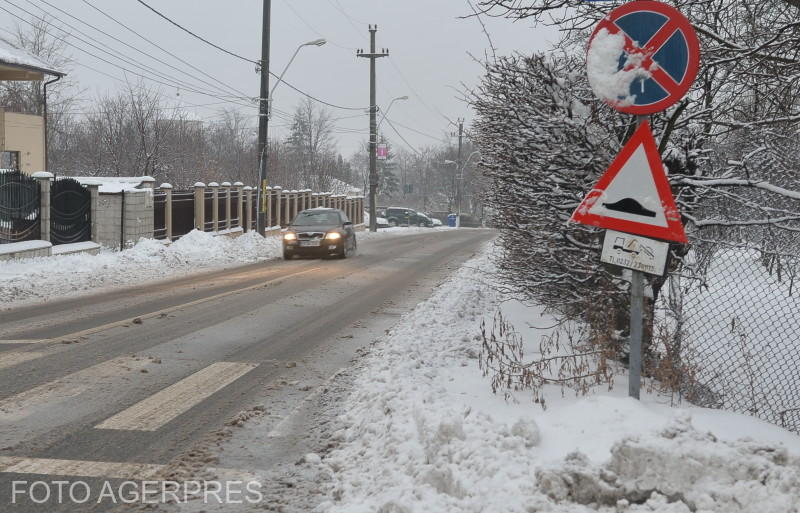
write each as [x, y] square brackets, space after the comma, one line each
[312, 218]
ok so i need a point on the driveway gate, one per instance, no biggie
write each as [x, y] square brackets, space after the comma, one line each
[19, 207]
[70, 212]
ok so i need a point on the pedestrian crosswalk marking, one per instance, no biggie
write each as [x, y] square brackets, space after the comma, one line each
[59, 467]
[105, 469]
[11, 358]
[160, 408]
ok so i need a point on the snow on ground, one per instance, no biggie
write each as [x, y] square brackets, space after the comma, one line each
[37, 279]
[743, 324]
[422, 432]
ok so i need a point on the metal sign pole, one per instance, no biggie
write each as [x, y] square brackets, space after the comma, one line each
[637, 311]
[637, 314]
[623, 187]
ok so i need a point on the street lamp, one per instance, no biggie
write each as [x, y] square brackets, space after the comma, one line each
[460, 178]
[265, 113]
[316, 42]
[386, 112]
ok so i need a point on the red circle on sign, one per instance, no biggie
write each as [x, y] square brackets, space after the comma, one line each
[676, 22]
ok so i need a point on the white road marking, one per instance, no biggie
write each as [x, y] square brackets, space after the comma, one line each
[11, 358]
[56, 467]
[161, 407]
[25, 341]
[71, 385]
[104, 469]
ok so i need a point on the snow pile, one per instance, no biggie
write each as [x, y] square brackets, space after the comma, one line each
[422, 431]
[398, 231]
[49, 277]
[689, 470]
[610, 82]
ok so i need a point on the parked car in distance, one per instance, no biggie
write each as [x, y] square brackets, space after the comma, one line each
[402, 216]
[319, 232]
[441, 215]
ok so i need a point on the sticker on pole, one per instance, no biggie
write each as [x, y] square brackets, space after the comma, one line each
[635, 252]
[642, 57]
[633, 195]
[383, 151]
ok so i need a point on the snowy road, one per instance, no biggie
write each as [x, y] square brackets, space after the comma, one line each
[147, 382]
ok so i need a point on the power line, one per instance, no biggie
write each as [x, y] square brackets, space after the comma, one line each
[258, 63]
[173, 82]
[336, 5]
[403, 138]
[439, 139]
[206, 41]
[132, 47]
[145, 77]
[312, 29]
[415, 93]
[156, 45]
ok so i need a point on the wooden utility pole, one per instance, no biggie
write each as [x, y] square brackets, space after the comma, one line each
[460, 171]
[373, 126]
[263, 121]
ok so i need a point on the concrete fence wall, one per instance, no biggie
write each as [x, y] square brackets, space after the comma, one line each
[119, 219]
[280, 206]
[117, 228]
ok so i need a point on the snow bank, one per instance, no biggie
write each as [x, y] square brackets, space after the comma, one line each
[421, 431]
[609, 81]
[49, 277]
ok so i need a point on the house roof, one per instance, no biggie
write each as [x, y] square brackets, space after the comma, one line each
[18, 64]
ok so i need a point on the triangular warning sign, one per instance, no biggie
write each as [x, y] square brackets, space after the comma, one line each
[633, 195]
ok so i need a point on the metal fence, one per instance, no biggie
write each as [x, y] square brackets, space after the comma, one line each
[19, 207]
[208, 221]
[222, 200]
[70, 212]
[182, 213]
[731, 317]
[236, 216]
[159, 214]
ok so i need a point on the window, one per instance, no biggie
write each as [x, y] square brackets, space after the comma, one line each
[9, 160]
[316, 218]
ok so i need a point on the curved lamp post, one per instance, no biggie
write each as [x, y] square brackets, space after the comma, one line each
[264, 157]
[386, 112]
[316, 42]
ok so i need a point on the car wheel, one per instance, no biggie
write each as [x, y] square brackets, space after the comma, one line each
[344, 252]
[287, 255]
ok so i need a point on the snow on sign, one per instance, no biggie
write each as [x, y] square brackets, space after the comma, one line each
[642, 57]
[633, 195]
[635, 252]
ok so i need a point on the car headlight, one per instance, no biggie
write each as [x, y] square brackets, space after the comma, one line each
[289, 236]
[333, 236]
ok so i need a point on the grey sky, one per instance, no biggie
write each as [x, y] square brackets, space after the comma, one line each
[429, 58]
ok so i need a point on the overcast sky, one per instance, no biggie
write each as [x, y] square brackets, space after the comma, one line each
[429, 54]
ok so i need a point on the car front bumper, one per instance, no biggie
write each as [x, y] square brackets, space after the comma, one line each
[326, 247]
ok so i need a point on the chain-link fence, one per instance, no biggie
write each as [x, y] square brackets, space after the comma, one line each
[731, 316]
